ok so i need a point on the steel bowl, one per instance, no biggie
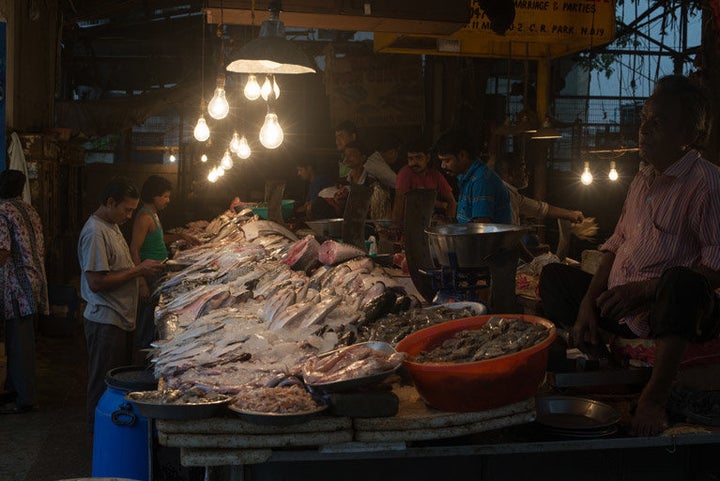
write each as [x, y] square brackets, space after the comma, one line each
[471, 244]
[331, 228]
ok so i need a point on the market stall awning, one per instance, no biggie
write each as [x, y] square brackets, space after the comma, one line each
[541, 29]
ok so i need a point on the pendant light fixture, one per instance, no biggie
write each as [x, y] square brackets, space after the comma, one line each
[613, 174]
[271, 52]
[271, 134]
[270, 85]
[226, 163]
[586, 178]
[235, 143]
[252, 88]
[218, 108]
[244, 149]
[202, 131]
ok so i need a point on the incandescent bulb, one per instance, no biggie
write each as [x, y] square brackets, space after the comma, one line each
[235, 143]
[266, 89]
[244, 149]
[586, 178]
[213, 175]
[203, 158]
[172, 158]
[613, 174]
[276, 88]
[252, 88]
[271, 134]
[218, 107]
[202, 131]
[226, 163]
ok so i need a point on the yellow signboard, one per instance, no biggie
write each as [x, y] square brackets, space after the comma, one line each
[541, 29]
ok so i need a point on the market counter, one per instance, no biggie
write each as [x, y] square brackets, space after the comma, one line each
[417, 432]
[228, 440]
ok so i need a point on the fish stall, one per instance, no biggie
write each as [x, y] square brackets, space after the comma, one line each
[309, 350]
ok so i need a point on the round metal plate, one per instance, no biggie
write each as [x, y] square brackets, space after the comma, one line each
[574, 413]
[276, 419]
[177, 411]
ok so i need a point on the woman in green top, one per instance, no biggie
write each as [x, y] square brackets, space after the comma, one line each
[148, 242]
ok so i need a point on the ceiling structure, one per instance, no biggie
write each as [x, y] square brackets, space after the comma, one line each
[112, 47]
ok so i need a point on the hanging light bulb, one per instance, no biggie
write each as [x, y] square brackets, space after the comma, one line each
[276, 88]
[586, 178]
[244, 148]
[266, 88]
[218, 107]
[226, 163]
[235, 143]
[613, 174]
[172, 158]
[213, 175]
[203, 158]
[252, 88]
[220, 171]
[202, 131]
[271, 134]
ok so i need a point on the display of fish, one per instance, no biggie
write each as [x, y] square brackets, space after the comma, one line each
[333, 252]
[240, 316]
[303, 255]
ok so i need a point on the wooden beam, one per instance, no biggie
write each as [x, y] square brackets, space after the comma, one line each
[403, 16]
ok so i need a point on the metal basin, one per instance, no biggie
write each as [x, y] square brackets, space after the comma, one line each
[471, 244]
[331, 228]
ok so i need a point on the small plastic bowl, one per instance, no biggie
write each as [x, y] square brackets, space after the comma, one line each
[479, 385]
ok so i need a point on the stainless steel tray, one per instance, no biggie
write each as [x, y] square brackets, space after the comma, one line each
[570, 413]
[180, 411]
[277, 419]
[349, 384]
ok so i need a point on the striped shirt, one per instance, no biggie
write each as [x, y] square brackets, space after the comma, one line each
[482, 194]
[669, 219]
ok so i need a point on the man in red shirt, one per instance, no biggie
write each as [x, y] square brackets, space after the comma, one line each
[660, 268]
[420, 174]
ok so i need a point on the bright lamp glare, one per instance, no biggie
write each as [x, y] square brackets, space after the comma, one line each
[271, 134]
[586, 178]
[235, 143]
[226, 163]
[202, 131]
[244, 149]
[613, 174]
[218, 107]
[252, 88]
[266, 89]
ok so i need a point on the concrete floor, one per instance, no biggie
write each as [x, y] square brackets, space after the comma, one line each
[52, 443]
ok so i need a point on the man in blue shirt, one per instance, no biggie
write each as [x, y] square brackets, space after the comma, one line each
[483, 196]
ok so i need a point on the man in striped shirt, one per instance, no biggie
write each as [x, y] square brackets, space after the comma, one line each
[660, 268]
[483, 196]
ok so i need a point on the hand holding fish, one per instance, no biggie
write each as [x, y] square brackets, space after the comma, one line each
[150, 267]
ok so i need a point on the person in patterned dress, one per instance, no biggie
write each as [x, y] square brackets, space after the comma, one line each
[23, 287]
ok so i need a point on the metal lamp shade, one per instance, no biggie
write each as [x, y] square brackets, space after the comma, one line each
[271, 53]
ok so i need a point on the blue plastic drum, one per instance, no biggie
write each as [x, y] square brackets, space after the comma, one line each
[122, 439]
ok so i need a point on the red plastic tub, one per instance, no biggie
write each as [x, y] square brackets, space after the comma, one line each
[479, 385]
